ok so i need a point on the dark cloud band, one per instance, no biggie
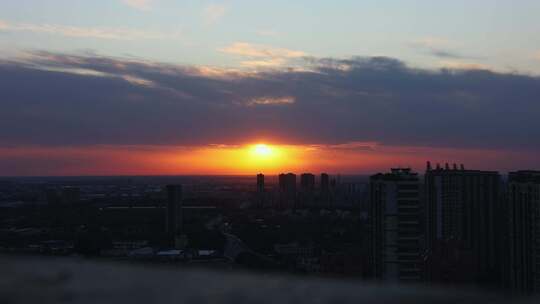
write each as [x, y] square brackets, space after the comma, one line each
[54, 99]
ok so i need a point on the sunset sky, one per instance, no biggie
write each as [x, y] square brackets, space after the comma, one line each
[116, 87]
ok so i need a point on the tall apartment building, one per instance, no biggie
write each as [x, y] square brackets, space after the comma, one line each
[463, 209]
[260, 183]
[306, 195]
[325, 183]
[395, 217]
[287, 190]
[307, 182]
[173, 223]
[260, 195]
[524, 212]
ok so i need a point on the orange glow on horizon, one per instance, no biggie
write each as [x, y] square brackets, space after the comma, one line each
[246, 159]
[259, 157]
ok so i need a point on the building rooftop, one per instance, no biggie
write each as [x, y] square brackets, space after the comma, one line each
[454, 169]
[396, 174]
[524, 176]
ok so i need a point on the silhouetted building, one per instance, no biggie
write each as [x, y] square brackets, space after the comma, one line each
[325, 183]
[260, 195]
[287, 188]
[307, 182]
[324, 191]
[395, 218]
[260, 183]
[281, 181]
[333, 183]
[349, 194]
[174, 212]
[463, 206]
[307, 189]
[524, 211]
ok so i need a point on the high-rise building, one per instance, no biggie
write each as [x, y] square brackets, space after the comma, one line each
[260, 183]
[462, 207]
[173, 225]
[307, 189]
[281, 182]
[260, 195]
[395, 217]
[287, 182]
[307, 182]
[324, 191]
[325, 182]
[524, 213]
[287, 189]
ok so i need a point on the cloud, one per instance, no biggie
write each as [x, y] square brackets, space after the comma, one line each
[265, 63]
[446, 54]
[53, 63]
[212, 13]
[143, 5]
[461, 65]
[88, 32]
[261, 55]
[444, 49]
[271, 101]
[438, 47]
[51, 99]
[368, 146]
[254, 50]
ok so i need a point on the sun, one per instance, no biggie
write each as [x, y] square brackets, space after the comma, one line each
[262, 150]
[263, 157]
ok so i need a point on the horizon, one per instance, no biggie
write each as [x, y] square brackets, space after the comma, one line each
[317, 174]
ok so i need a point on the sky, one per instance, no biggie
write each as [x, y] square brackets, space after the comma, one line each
[190, 87]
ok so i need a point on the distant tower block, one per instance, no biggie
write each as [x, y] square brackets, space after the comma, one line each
[287, 188]
[174, 211]
[307, 188]
[307, 182]
[260, 196]
[325, 182]
[260, 183]
[287, 183]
